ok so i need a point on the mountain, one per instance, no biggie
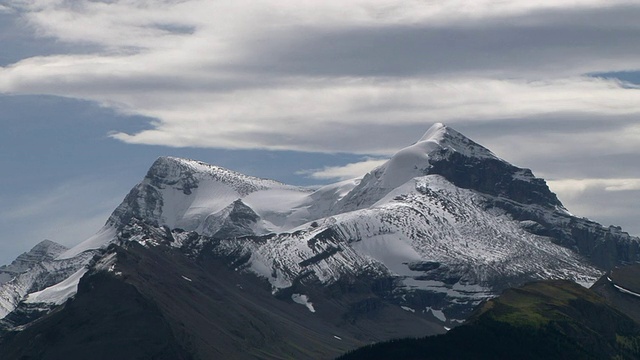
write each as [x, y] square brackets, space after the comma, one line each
[413, 246]
[46, 250]
[552, 319]
[23, 282]
[621, 287]
[156, 302]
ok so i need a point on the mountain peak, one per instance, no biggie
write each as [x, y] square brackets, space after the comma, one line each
[48, 246]
[449, 139]
[183, 193]
[163, 163]
[44, 250]
[176, 172]
[435, 133]
[438, 143]
[461, 161]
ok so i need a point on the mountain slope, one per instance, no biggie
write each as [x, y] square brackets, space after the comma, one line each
[107, 320]
[621, 288]
[541, 320]
[32, 272]
[46, 250]
[149, 301]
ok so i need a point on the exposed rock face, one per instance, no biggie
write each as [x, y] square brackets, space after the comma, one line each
[33, 271]
[605, 247]
[156, 302]
[239, 220]
[494, 177]
[46, 250]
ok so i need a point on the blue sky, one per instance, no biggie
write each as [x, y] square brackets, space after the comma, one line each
[307, 92]
[62, 178]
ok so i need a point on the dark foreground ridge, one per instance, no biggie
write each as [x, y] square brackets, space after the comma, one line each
[158, 304]
[621, 288]
[551, 319]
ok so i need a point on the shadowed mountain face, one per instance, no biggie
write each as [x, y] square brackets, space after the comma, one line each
[621, 288]
[542, 320]
[156, 303]
[108, 320]
[222, 264]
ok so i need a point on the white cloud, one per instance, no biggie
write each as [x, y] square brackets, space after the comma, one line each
[572, 188]
[306, 114]
[301, 113]
[348, 171]
[6, 10]
[195, 67]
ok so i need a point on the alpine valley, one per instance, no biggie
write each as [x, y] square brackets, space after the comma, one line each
[201, 262]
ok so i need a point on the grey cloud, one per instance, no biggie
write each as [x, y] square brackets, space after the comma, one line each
[561, 145]
[179, 29]
[19, 41]
[577, 165]
[619, 208]
[564, 41]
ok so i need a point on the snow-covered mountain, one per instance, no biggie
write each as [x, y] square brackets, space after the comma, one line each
[34, 271]
[46, 250]
[441, 226]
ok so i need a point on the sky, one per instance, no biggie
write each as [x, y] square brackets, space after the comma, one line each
[307, 92]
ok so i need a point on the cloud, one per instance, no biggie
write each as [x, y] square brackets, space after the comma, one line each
[304, 75]
[348, 171]
[5, 9]
[559, 43]
[311, 114]
[609, 201]
[571, 188]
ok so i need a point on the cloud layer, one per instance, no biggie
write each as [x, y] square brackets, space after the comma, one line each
[348, 171]
[236, 74]
[364, 77]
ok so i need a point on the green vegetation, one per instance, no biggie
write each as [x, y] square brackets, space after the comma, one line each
[541, 320]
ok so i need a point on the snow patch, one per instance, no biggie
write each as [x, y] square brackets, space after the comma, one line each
[437, 313]
[623, 290]
[107, 263]
[303, 300]
[60, 292]
[100, 239]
